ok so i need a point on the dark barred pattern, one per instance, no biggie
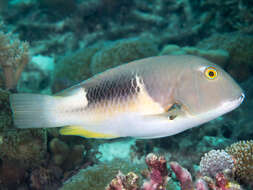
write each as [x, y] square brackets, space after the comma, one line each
[112, 90]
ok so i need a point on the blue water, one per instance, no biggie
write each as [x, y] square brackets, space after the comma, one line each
[49, 45]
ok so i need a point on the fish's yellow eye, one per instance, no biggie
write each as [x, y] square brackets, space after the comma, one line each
[211, 73]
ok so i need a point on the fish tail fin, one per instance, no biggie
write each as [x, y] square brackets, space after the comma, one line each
[36, 111]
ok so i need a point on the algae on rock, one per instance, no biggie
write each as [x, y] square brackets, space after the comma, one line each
[5, 111]
[123, 51]
[240, 48]
[98, 176]
[218, 56]
[74, 67]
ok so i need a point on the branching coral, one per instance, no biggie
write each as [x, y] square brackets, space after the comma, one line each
[231, 13]
[183, 175]
[158, 173]
[14, 56]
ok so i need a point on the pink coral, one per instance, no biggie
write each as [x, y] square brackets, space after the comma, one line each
[158, 178]
[221, 182]
[201, 185]
[183, 175]
[158, 173]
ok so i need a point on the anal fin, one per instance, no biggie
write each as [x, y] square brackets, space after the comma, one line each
[80, 131]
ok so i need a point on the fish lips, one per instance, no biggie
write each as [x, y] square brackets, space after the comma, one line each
[212, 114]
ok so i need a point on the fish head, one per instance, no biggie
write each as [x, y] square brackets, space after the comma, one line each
[206, 90]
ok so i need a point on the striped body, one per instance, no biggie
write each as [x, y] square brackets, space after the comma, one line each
[134, 99]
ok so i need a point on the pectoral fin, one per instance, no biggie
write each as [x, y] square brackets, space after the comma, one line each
[80, 131]
[171, 112]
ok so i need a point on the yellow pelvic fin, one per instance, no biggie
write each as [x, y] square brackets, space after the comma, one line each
[80, 131]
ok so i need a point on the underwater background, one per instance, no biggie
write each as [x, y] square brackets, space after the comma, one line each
[49, 45]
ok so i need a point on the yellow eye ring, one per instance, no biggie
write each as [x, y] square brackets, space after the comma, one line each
[211, 73]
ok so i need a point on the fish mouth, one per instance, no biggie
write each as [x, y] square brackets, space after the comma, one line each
[234, 103]
[182, 110]
[241, 98]
[224, 108]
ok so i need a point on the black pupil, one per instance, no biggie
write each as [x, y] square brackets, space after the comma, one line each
[211, 73]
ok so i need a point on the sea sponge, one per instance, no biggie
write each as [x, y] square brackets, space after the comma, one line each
[242, 152]
[214, 162]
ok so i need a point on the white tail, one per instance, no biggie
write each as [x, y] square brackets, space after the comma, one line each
[36, 111]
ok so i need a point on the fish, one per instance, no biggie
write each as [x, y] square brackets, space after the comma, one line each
[147, 98]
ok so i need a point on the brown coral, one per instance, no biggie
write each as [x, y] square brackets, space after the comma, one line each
[45, 178]
[28, 147]
[242, 152]
[121, 182]
[14, 56]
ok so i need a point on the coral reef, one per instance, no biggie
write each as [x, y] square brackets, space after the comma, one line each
[242, 152]
[5, 113]
[60, 150]
[84, 37]
[77, 23]
[218, 56]
[214, 162]
[66, 156]
[74, 67]
[26, 147]
[98, 176]
[159, 179]
[13, 58]
[129, 182]
[64, 6]
[37, 76]
[183, 175]
[223, 14]
[11, 174]
[45, 178]
[123, 51]
[235, 162]
[158, 173]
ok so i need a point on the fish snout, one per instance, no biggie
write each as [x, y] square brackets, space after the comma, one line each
[241, 98]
